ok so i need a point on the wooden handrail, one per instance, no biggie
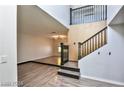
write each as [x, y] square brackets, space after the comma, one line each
[82, 7]
[93, 43]
[93, 36]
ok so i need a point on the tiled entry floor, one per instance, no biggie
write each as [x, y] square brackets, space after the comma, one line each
[39, 75]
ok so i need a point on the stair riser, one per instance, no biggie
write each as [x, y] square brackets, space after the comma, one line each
[68, 75]
[71, 69]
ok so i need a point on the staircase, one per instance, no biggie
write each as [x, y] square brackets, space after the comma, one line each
[85, 14]
[93, 43]
[69, 70]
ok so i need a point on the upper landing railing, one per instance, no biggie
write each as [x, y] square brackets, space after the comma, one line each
[87, 14]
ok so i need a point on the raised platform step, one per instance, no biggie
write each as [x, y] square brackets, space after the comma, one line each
[71, 64]
[69, 73]
[70, 68]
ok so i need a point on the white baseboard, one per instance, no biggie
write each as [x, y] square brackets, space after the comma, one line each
[103, 80]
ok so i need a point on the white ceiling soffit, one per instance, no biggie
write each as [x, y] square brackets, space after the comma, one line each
[119, 18]
[60, 12]
[32, 19]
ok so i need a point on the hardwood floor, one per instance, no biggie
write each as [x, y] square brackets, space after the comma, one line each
[54, 60]
[39, 75]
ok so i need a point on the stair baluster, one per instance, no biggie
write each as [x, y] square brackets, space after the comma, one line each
[93, 43]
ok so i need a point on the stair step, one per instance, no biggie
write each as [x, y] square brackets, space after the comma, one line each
[70, 68]
[69, 73]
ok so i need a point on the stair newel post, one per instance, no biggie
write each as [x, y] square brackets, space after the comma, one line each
[79, 50]
[70, 16]
[61, 44]
[105, 12]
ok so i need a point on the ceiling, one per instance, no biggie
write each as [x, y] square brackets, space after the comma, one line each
[32, 19]
[119, 18]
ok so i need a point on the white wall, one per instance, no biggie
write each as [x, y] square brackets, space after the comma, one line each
[105, 66]
[59, 12]
[113, 10]
[8, 71]
[32, 46]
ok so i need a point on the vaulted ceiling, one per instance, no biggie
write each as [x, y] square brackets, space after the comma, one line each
[32, 19]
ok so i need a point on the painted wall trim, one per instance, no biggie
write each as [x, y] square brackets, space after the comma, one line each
[102, 80]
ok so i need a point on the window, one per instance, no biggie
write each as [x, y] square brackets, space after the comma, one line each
[59, 49]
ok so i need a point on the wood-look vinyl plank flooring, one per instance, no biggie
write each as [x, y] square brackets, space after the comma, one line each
[39, 75]
[53, 60]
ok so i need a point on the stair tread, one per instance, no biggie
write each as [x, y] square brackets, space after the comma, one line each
[69, 72]
[69, 67]
[71, 64]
